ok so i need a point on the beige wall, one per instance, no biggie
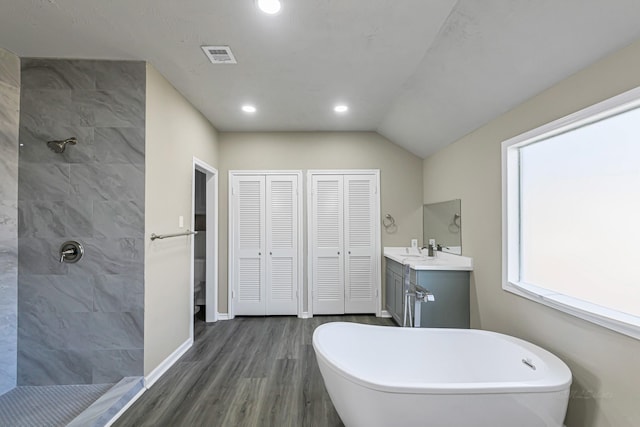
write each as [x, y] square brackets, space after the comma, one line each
[175, 133]
[400, 175]
[606, 387]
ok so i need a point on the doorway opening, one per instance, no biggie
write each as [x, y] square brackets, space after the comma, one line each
[204, 245]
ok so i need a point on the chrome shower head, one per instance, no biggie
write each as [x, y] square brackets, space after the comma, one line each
[59, 146]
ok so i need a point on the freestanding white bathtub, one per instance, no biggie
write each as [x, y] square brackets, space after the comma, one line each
[392, 377]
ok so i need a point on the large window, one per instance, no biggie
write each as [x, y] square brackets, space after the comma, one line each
[571, 209]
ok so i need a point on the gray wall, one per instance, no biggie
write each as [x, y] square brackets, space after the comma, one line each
[81, 323]
[9, 116]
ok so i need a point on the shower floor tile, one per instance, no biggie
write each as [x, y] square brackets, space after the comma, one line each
[47, 406]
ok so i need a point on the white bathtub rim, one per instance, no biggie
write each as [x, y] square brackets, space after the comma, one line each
[447, 388]
[504, 387]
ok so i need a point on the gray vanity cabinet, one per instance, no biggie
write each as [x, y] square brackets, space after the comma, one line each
[451, 291]
[389, 293]
[394, 279]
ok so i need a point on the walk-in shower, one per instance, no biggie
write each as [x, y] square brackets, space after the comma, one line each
[76, 299]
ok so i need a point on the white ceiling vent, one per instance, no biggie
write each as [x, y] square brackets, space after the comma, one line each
[219, 54]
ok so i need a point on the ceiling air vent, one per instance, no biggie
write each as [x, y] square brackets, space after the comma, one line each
[219, 54]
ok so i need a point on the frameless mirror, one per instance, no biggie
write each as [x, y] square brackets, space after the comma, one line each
[443, 223]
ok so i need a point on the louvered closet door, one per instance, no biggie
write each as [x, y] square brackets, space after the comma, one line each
[327, 227]
[249, 244]
[282, 243]
[360, 238]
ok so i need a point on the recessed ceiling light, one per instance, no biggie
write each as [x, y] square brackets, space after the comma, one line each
[270, 7]
[249, 109]
[340, 108]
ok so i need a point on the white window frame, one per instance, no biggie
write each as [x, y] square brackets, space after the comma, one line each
[608, 318]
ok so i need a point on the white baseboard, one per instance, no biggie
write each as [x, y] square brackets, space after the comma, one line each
[305, 315]
[223, 316]
[163, 367]
[125, 407]
[385, 313]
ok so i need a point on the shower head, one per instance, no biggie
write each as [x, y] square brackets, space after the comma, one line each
[59, 146]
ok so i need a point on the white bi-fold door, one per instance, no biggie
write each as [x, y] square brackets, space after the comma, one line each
[344, 243]
[264, 213]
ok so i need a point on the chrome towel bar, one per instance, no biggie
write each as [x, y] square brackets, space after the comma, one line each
[155, 236]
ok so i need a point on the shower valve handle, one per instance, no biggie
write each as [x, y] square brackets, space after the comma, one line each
[71, 251]
[63, 254]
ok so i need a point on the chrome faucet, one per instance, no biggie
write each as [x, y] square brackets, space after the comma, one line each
[424, 296]
[432, 247]
[421, 296]
[430, 250]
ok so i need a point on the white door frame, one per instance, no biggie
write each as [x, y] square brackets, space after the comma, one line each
[231, 223]
[378, 243]
[211, 260]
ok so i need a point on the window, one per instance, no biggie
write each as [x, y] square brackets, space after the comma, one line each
[571, 203]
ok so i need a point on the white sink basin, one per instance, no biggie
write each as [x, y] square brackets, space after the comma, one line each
[431, 261]
[422, 259]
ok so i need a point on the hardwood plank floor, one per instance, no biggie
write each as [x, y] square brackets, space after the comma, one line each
[250, 371]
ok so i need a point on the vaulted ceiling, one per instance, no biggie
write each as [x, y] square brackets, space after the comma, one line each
[421, 73]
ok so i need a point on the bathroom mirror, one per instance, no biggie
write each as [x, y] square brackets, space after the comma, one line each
[443, 222]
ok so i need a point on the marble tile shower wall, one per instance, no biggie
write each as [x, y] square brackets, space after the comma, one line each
[81, 323]
[9, 116]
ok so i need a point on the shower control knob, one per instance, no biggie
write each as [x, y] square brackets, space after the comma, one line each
[71, 251]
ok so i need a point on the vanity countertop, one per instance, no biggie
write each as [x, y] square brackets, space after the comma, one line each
[418, 261]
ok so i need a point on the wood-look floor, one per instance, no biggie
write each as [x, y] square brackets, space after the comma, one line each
[250, 371]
